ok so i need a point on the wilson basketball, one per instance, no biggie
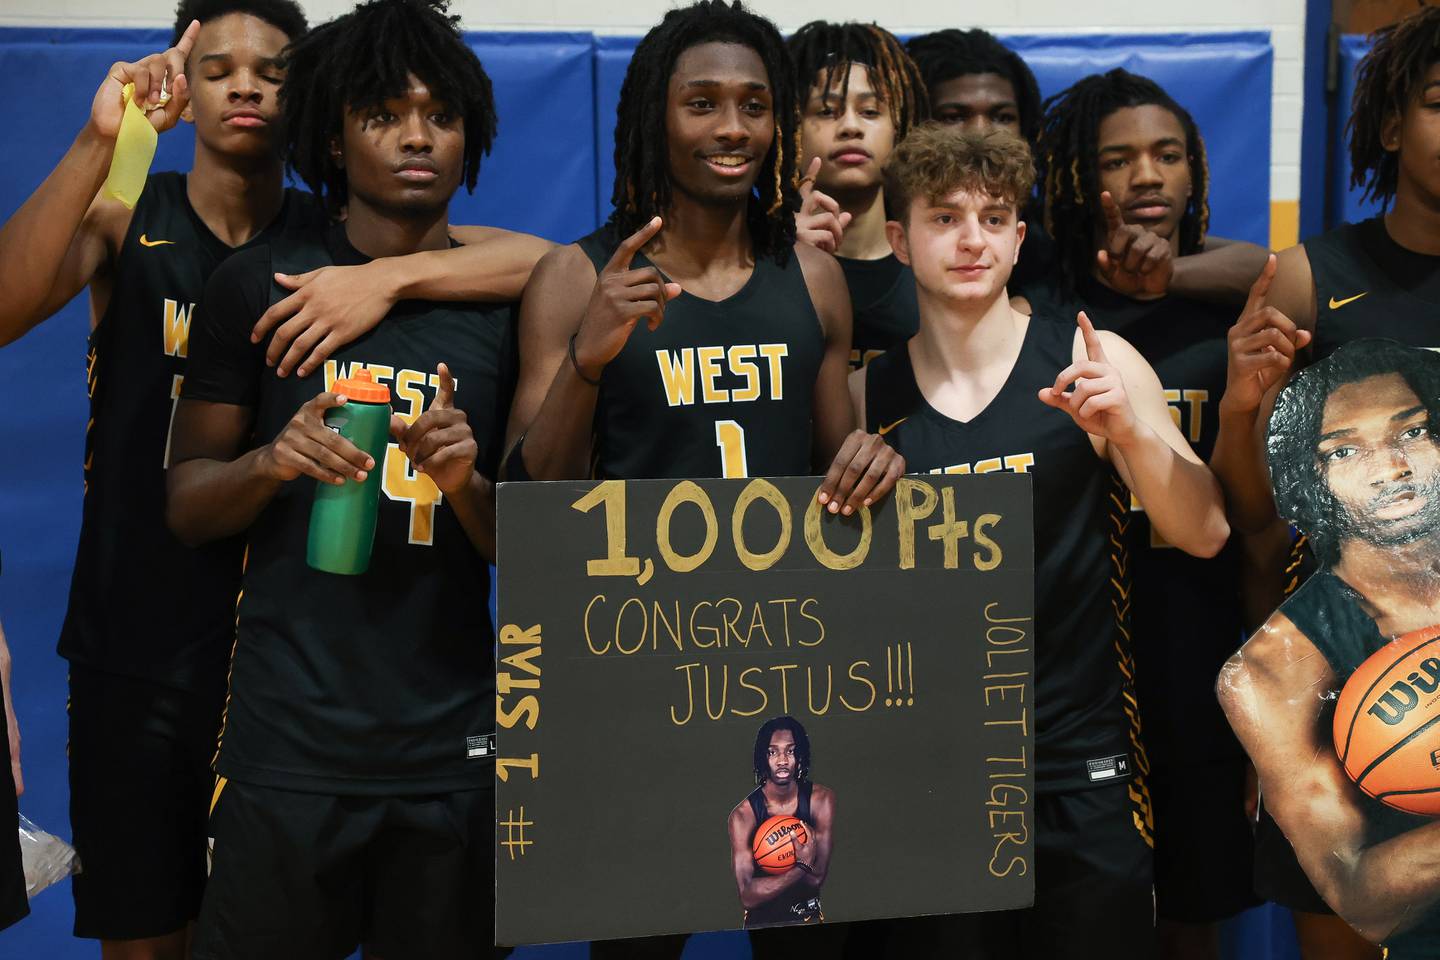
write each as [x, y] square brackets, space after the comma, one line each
[774, 846]
[1387, 723]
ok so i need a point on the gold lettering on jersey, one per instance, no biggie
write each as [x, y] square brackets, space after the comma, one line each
[681, 369]
[398, 478]
[175, 330]
[1015, 463]
[1194, 402]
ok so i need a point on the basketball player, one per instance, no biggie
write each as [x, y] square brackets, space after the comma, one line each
[1380, 277]
[782, 775]
[354, 805]
[738, 368]
[860, 95]
[1356, 465]
[150, 623]
[983, 384]
[974, 81]
[1140, 152]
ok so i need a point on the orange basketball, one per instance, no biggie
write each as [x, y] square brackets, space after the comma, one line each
[774, 846]
[1387, 723]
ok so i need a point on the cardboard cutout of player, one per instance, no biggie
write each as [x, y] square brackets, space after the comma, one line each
[1337, 697]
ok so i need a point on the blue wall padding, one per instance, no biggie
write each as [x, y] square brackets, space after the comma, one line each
[1224, 80]
[551, 173]
[1345, 202]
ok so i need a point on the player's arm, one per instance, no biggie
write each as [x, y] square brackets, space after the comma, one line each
[856, 383]
[816, 853]
[335, 305]
[573, 322]
[1271, 691]
[755, 888]
[1264, 347]
[64, 234]
[860, 467]
[441, 445]
[1221, 273]
[218, 481]
[1118, 400]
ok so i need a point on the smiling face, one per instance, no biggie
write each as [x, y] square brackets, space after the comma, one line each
[405, 155]
[780, 758]
[977, 102]
[720, 122]
[852, 136]
[1144, 163]
[961, 247]
[235, 76]
[1380, 460]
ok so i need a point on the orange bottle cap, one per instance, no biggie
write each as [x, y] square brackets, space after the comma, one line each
[362, 388]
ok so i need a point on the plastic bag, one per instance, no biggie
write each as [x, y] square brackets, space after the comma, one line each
[47, 858]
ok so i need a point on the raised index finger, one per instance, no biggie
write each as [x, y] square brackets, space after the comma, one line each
[445, 395]
[1113, 220]
[186, 43]
[807, 182]
[1260, 287]
[1093, 350]
[631, 245]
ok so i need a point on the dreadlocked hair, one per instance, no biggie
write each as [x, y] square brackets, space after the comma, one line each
[642, 168]
[947, 54]
[1070, 171]
[358, 61]
[284, 15]
[1389, 77]
[833, 47]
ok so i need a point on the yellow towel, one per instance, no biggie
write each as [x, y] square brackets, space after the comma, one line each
[134, 150]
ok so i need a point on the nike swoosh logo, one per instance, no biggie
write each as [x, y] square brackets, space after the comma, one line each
[144, 242]
[1337, 304]
[885, 430]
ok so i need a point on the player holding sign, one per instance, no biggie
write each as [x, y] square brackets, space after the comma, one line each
[962, 397]
[692, 336]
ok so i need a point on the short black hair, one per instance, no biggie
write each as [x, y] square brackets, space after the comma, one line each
[365, 57]
[642, 163]
[1302, 494]
[833, 47]
[947, 54]
[1387, 79]
[1069, 168]
[285, 15]
[762, 747]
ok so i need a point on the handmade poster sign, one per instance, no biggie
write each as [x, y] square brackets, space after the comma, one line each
[1337, 697]
[719, 706]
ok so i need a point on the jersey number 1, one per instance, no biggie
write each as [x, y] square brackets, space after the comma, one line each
[730, 438]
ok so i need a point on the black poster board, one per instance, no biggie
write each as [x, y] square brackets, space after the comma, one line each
[649, 628]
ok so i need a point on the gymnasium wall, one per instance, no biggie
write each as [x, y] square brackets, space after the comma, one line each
[549, 175]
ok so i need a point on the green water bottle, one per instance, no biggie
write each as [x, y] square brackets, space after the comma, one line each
[342, 520]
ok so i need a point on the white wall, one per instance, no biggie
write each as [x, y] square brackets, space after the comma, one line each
[1285, 19]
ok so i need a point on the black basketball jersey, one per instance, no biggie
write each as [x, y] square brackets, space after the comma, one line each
[1328, 613]
[1082, 732]
[141, 604]
[720, 389]
[882, 298]
[382, 682]
[795, 905]
[1187, 618]
[1367, 285]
